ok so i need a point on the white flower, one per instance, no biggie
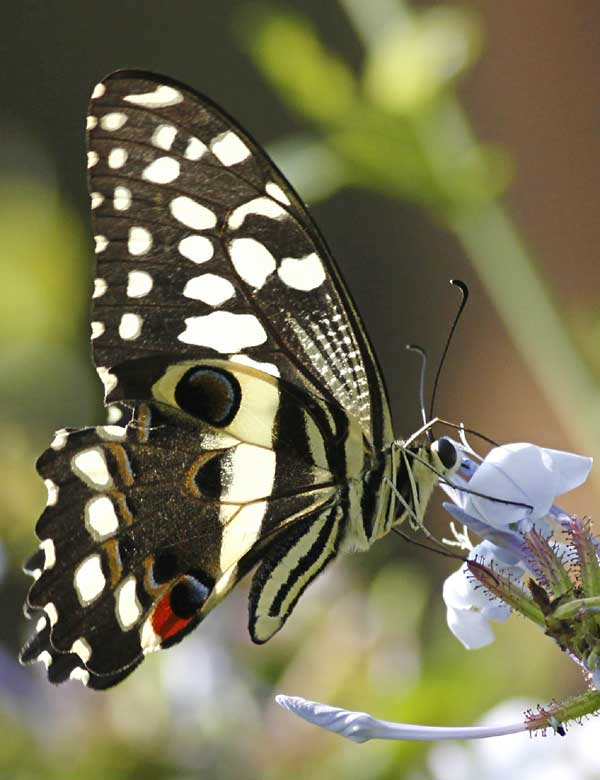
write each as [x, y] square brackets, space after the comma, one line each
[470, 608]
[361, 727]
[519, 473]
[524, 474]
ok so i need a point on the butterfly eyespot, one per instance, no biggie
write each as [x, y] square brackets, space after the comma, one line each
[207, 478]
[187, 597]
[164, 567]
[210, 394]
[446, 452]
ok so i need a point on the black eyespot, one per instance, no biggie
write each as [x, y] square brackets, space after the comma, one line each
[164, 567]
[208, 475]
[188, 596]
[446, 452]
[211, 394]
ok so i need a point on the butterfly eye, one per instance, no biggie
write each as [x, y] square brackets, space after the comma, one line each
[187, 597]
[210, 394]
[446, 452]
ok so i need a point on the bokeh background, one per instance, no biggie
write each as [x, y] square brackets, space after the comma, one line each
[431, 140]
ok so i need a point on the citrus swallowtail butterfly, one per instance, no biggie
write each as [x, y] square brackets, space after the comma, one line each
[255, 430]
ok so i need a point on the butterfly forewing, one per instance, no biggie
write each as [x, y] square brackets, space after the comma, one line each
[203, 249]
[253, 410]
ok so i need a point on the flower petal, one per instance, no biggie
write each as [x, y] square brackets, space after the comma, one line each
[520, 473]
[508, 545]
[572, 470]
[470, 627]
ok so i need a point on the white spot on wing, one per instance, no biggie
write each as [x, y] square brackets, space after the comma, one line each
[96, 199]
[139, 241]
[113, 121]
[41, 624]
[275, 191]
[139, 284]
[90, 466]
[268, 368]
[198, 249]
[229, 148]
[92, 159]
[223, 331]
[89, 580]
[100, 287]
[162, 170]
[128, 608]
[161, 97]
[122, 198]
[108, 380]
[242, 532]
[52, 489]
[303, 273]
[263, 206]
[163, 136]
[82, 648]
[97, 329]
[117, 158]
[98, 91]
[195, 149]
[252, 474]
[114, 414]
[192, 214]
[90, 122]
[100, 517]
[130, 326]
[80, 674]
[45, 658]
[60, 439]
[47, 545]
[149, 639]
[252, 260]
[51, 612]
[111, 432]
[209, 288]
[101, 244]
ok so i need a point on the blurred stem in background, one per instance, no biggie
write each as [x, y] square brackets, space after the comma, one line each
[399, 129]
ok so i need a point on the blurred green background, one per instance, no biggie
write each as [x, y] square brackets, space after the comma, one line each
[431, 140]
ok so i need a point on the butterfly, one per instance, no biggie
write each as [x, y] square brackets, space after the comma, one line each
[248, 421]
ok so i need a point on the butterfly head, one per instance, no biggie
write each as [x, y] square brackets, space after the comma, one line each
[422, 465]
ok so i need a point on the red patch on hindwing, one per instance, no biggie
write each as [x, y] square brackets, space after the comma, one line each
[165, 622]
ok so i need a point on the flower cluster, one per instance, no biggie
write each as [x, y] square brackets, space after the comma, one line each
[533, 558]
[508, 501]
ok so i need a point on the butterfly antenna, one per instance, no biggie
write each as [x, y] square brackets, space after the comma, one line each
[465, 297]
[423, 355]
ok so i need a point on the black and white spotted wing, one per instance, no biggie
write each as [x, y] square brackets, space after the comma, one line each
[257, 430]
[204, 249]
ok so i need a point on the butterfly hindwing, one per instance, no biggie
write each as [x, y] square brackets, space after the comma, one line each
[290, 565]
[149, 526]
